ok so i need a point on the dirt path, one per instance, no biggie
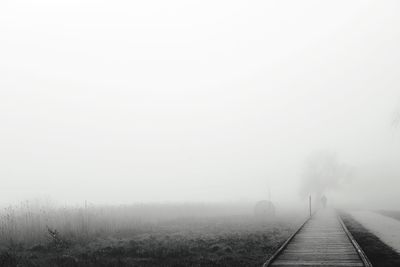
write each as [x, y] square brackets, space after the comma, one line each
[385, 228]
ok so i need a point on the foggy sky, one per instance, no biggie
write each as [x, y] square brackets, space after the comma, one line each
[152, 101]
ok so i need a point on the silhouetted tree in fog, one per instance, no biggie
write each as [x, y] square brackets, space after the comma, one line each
[323, 173]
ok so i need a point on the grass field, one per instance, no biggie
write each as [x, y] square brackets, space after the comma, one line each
[377, 252]
[395, 214]
[136, 236]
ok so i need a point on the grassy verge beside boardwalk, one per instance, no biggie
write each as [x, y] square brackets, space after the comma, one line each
[377, 252]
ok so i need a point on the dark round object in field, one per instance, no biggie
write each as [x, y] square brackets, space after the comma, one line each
[264, 209]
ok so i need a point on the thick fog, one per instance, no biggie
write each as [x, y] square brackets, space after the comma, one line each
[181, 101]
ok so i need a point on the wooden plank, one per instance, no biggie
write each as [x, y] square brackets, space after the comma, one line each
[322, 240]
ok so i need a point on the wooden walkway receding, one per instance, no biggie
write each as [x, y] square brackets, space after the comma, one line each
[322, 241]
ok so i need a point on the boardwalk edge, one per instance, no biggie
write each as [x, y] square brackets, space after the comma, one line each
[359, 250]
[283, 246]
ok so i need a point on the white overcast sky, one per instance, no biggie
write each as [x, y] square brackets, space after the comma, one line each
[127, 101]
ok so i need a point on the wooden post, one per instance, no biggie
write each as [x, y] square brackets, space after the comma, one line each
[309, 203]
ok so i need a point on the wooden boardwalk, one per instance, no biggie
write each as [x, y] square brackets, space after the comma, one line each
[322, 241]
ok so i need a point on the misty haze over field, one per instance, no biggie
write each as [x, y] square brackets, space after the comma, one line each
[213, 101]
